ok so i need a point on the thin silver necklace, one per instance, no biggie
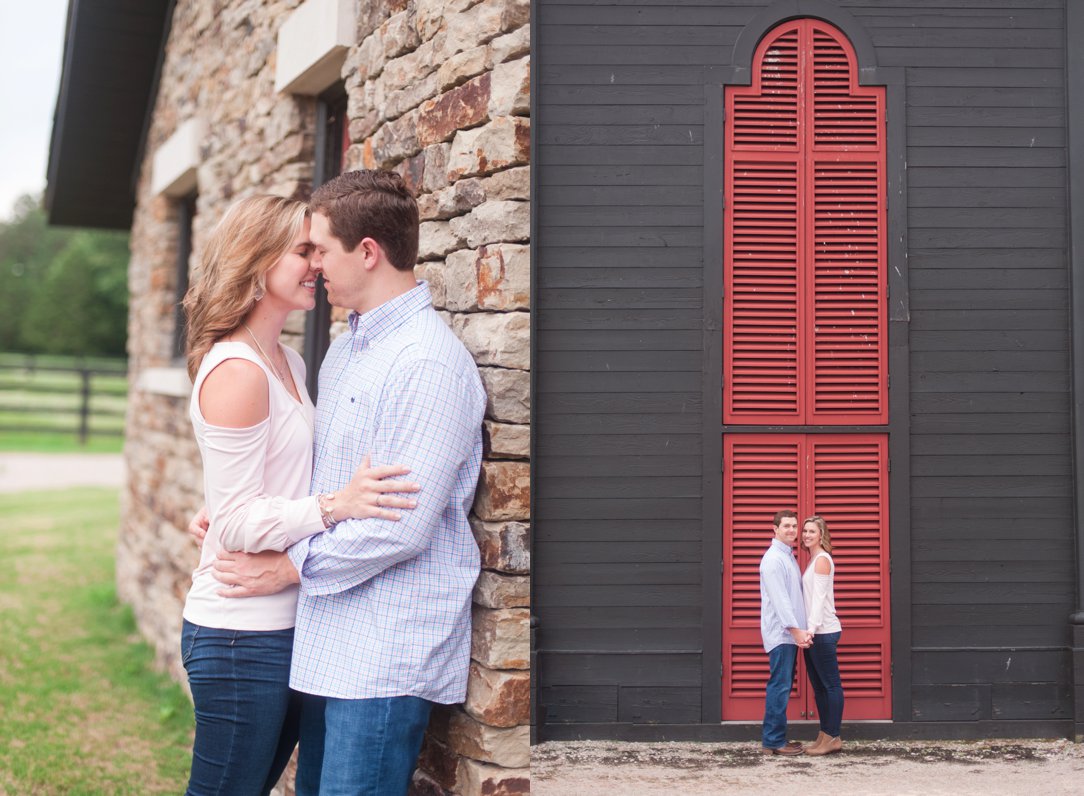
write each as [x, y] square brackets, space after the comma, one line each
[263, 353]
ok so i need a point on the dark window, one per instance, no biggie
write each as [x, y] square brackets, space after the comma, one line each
[332, 139]
[186, 213]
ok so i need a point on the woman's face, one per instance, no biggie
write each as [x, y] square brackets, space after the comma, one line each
[291, 282]
[811, 535]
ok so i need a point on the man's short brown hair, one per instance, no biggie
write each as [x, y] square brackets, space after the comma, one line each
[373, 204]
[779, 515]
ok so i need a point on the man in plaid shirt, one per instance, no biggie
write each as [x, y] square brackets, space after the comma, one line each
[383, 619]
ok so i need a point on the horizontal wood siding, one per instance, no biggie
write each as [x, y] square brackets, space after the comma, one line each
[992, 575]
[618, 407]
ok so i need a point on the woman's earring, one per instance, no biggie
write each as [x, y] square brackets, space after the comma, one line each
[259, 294]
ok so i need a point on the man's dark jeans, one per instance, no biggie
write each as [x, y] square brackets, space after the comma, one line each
[782, 660]
[359, 747]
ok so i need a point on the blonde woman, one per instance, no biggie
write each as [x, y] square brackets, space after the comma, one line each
[821, 660]
[253, 421]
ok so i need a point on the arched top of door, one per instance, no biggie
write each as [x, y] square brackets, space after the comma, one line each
[785, 10]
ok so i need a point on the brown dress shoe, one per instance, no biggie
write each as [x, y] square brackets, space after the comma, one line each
[829, 747]
[792, 748]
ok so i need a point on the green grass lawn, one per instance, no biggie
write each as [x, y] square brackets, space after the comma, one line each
[81, 709]
[36, 442]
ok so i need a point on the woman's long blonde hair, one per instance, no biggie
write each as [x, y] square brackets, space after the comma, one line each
[252, 237]
[822, 526]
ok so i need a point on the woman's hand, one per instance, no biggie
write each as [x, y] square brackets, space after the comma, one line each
[198, 525]
[370, 493]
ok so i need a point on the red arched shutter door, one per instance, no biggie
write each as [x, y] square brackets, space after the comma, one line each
[804, 254]
[804, 344]
[842, 477]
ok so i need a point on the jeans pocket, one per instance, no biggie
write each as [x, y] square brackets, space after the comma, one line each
[188, 642]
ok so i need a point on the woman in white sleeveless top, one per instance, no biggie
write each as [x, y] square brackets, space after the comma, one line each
[821, 660]
[253, 421]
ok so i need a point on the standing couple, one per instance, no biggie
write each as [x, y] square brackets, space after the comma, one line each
[798, 611]
[329, 604]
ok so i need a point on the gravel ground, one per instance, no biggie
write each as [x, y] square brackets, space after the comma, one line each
[587, 768]
[21, 472]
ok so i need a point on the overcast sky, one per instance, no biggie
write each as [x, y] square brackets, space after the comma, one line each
[31, 41]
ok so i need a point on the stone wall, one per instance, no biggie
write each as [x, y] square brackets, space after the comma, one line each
[439, 91]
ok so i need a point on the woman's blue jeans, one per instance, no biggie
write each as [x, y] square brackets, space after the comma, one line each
[822, 666]
[246, 715]
[781, 660]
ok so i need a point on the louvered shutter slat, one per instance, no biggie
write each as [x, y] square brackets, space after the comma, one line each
[762, 335]
[848, 360]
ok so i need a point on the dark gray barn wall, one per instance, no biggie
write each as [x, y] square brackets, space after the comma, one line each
[618, 410]
[992, 577]
[619, 473]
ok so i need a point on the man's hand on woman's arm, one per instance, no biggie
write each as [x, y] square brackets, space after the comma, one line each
[253, 574]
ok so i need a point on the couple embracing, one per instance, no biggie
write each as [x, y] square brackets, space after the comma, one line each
[797, 611]
[331, 603]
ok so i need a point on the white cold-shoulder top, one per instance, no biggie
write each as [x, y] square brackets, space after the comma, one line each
[820, 600]
[256, 486]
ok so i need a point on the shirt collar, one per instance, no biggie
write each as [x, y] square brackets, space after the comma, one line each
[378, 323]
[783, 546]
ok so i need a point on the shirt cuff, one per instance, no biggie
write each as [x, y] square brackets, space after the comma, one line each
[311, 522]
[298, 552]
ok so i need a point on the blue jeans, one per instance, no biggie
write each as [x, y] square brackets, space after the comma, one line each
[781, 661]
[822, 666]
[246, 715]
[359, 747]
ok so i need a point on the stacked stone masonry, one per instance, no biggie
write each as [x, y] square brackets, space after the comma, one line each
[439, 91]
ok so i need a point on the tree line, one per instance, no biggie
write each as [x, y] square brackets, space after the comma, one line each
[65, 290]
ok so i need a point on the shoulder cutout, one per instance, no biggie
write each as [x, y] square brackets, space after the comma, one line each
[821, 566]
[234, 394]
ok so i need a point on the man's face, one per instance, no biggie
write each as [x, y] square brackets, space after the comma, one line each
[787, 530]
[345, 276]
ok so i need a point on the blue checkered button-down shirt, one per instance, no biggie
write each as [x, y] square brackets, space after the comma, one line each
[384, 608]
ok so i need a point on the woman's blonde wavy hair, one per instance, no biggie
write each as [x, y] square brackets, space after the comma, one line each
[250, 238]
[826, 538]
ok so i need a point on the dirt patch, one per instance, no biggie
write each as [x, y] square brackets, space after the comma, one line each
[870, 767]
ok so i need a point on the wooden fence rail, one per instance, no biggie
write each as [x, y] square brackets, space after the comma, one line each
[28, 387]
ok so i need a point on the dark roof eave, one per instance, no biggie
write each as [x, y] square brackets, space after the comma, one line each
[108, 82]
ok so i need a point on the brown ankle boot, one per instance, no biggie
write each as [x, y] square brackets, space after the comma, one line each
[830, 746]
[822, 737]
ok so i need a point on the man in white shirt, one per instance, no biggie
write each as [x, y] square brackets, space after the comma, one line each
[782, 628]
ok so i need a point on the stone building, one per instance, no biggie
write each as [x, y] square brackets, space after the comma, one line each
[169, 110]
